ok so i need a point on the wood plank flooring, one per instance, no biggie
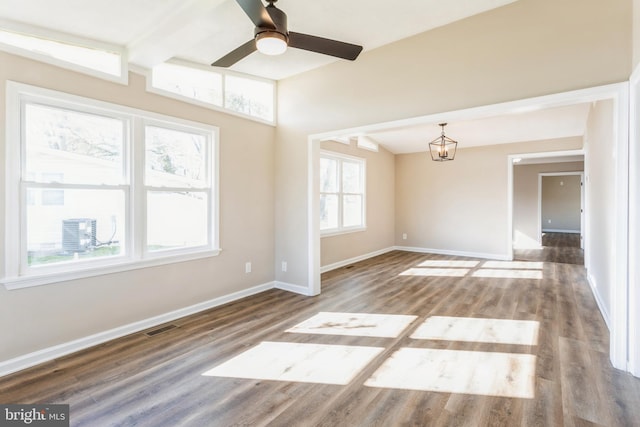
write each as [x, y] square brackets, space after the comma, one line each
[157, 380]
[556, 247]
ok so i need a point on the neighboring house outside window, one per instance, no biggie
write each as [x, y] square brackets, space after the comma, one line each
[99, 186]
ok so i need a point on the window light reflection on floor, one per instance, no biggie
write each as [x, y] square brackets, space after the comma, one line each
[469, 329]
[355, 324]
[453, 371]
[307, 363]
[436, 272]
[520, 265]
[508, 274]
[448, 263]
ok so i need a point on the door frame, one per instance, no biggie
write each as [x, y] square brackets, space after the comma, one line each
[634, 223]
[618, 92]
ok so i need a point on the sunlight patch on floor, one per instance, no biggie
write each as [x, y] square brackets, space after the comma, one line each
[439, 272]
[469, 329]
[508, 274]
[307, 363]
[354, 324]
[520, 265]
[452, 371]
[448, 263]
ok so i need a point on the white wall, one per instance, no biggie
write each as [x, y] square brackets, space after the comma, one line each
[600, 181]
[40, 317]
[634, 219]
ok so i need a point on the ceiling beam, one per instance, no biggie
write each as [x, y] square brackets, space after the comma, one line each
[185, 25]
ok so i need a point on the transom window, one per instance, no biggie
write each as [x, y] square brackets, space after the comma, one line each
[98, 185]
[245, 95]
[104, 61]
[342, 193]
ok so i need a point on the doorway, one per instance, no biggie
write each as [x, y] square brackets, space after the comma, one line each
[548, 215]
[561, 215]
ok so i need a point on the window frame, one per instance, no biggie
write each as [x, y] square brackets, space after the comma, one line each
[340, 158]
[69, 40]
[16, 273]
[221, 108]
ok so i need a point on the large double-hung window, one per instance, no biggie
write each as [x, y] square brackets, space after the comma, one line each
[342, 193]
[94, 188]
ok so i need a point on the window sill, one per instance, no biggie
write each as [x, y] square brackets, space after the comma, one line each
[332, 233]
[21, 282]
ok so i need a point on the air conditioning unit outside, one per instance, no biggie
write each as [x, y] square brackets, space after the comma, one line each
[78, 234]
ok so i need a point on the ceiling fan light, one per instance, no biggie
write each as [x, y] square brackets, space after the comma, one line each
[271, 43]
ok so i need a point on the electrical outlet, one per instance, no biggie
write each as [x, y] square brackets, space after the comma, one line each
[548, 221]
[284, 265]
[247, 267]
[404, 236]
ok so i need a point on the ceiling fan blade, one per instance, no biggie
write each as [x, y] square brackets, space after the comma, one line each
[258, 14]
[327, 46]
[236, 55]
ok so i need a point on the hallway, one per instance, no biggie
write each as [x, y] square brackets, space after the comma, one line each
[561, 248]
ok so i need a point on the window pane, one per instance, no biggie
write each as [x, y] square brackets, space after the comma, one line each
[205, 86]
[86, 224]
[175, 158]
[72, 147]
[328, 176]
[352, 211]
[351, 177]
[328, 211]
[176, 220]
[248, 96]
[95, 59]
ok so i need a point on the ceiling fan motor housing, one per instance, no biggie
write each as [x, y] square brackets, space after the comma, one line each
[279, 18]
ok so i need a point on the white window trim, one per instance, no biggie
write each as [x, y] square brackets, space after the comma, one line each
[123, 78]
[168, 94]
[135, 259]
[353, 229]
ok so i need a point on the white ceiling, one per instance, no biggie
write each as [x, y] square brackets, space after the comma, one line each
[201, 31]
[205, 30]
[550, 123]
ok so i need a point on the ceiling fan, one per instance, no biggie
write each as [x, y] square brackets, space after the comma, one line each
[272, 36]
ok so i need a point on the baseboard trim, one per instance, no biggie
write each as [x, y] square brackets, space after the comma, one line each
[47, 354]
[297, 289]
[499, 257]
[598, 298]
[358, 258]
[557, 230]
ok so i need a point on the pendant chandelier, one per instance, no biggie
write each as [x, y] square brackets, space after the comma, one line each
[443, 148]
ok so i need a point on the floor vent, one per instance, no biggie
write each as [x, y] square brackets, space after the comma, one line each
[160, 330]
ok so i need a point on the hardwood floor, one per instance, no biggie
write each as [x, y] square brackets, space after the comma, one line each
[556, 247]
[554, 353]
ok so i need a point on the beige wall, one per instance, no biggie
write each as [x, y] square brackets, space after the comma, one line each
[525, 199]
[460, 206]
[600, 180]
[528, 48]
[380, 187]
[525, 49]
[636, 33]
[44, 316]
[561, 203]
